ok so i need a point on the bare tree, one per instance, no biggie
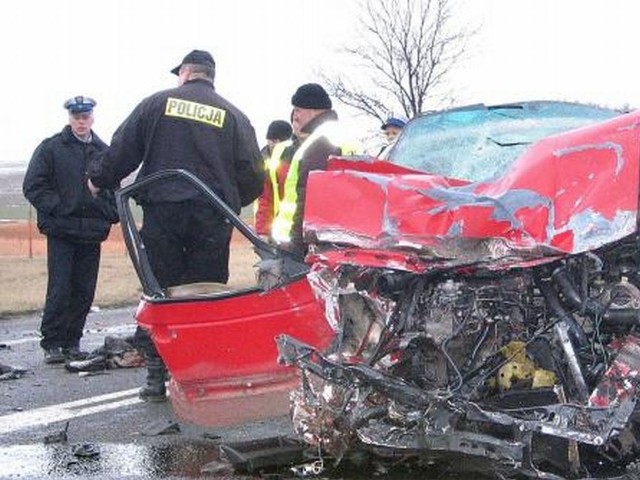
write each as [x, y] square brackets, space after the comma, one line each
[407, 49]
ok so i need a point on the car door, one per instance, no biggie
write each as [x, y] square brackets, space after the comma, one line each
[214, 336]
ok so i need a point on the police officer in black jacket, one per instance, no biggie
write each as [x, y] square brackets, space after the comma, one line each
[193, 128]
[75, 223]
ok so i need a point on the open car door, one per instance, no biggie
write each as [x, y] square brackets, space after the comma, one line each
[217, 340]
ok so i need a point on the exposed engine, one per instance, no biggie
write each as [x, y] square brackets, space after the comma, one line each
[530, 371]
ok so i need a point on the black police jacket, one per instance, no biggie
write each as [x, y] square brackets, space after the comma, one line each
[56, 185]
[193, 128]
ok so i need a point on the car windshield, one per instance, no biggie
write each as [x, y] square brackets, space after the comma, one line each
[478, 142]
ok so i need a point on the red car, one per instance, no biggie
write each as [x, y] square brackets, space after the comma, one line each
[478, 305]
[484, 287]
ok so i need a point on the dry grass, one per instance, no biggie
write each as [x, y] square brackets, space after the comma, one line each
[23, 280]
[23, 283]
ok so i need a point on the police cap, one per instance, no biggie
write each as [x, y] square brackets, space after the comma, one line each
[394, 122]
[196, 57]
[80, 104]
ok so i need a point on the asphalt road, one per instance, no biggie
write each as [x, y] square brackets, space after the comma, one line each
[104, 415]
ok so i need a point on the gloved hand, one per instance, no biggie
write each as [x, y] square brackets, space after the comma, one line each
[270, 274]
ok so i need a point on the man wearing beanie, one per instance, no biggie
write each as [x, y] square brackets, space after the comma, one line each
[277, 165]
[316, 125]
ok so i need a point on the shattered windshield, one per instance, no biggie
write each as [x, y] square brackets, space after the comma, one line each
[478, 143]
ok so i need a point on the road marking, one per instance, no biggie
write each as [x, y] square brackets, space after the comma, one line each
[65, 411]
[11, 343]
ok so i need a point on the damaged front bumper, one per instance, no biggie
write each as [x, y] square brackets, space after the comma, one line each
[343, 406]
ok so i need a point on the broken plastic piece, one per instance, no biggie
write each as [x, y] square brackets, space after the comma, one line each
[211, 436]
[57, 437]
[161, 427]
[85, 450]
[217, 467]
[8, 372]
[253, 455]
[308, 469]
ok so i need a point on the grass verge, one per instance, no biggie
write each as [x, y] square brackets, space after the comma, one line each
[24, 283]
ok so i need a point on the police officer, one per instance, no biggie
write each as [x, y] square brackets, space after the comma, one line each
[392, 129]
[194, 128]
[74, 222]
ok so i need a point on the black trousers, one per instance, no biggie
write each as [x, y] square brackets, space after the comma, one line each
[71, 285]
[186, 242]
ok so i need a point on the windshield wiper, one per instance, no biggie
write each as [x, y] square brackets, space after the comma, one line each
[507, 144]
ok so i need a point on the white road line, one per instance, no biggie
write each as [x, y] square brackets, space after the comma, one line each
[20, 341]
[65, 411]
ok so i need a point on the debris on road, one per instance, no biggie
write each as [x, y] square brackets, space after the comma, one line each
[57, 437]
[114, 353]
[163, 426]
[217, 467]
[92, 374]
[85, 450]
[8, 372]
[212, 436]
[254, 455]
[91, 364]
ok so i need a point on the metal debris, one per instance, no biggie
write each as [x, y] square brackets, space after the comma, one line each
[85, 450]
[8, 372]
[57, 437]
[161, 427]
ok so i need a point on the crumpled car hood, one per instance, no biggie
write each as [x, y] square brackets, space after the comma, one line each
[565, 194]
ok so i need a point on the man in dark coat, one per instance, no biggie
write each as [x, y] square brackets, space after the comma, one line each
[75, 223]
[316, 125]
[190, 127]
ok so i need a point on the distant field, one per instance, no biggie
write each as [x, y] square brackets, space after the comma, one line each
[13, 206]
[23, 284]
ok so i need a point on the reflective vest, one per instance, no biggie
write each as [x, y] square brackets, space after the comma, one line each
[272, 169]
[265, 206]
[283, 222]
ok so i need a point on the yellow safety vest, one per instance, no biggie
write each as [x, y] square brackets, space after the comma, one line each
[282, 223]
[272, 169]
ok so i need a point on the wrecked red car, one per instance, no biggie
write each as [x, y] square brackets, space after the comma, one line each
[484, 293]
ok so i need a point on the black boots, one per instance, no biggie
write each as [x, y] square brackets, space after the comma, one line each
[74, 354]
[155, 389]
[54, 355]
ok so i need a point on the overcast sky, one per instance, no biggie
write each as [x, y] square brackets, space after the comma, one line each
[120, 51]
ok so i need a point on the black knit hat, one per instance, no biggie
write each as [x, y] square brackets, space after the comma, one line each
[311, 95]
[279, 130]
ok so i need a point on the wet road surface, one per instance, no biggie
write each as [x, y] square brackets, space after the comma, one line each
[111, 434]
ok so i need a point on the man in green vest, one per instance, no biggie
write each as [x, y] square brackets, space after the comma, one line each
[316, 125]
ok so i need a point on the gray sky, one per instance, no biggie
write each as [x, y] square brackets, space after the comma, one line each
[120, 51]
